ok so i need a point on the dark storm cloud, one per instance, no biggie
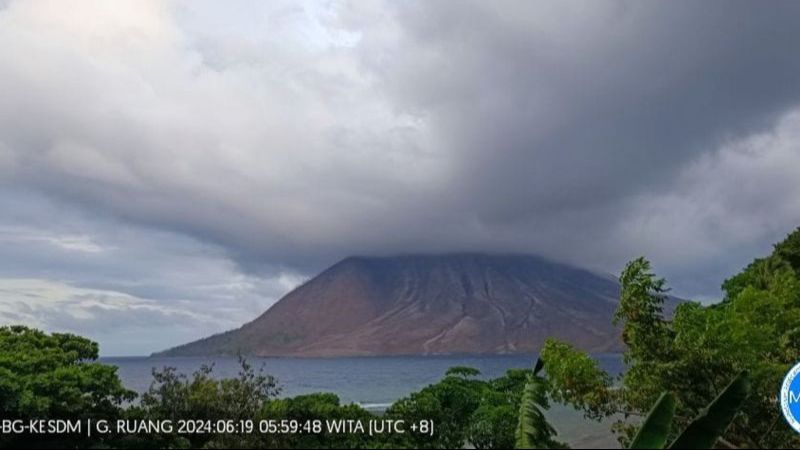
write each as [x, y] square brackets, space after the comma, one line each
[269, 139]
[553, 110]
[563, 121]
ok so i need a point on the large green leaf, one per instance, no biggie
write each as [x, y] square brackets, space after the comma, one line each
[533, 430]
[655, 429]
[704, 431]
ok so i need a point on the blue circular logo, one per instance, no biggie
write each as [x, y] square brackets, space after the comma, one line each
[790, 397]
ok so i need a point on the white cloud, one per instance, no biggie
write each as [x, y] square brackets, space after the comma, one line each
[111, 317]
[113, 281]
[70, 242]
[96, 313]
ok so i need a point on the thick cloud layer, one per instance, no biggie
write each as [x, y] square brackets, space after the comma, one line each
[199, 159]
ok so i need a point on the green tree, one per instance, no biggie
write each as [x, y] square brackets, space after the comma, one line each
[175, 396]
[492, 426]
[55, 376]
[694, 354]
[574, 377]
[465, 410]
[449, 403]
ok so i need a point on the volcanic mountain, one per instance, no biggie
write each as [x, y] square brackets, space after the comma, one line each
[430, 304]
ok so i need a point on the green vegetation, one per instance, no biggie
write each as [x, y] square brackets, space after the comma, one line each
[533, 430]
[252, 396]
[676, 388]
[704, 431]
[54, 376]
[175, 396]
[693, 355]
[481, 413]
[655, 429]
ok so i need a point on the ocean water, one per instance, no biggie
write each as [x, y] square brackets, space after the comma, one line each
[375, 382]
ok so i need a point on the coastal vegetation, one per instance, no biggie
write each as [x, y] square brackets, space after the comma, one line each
[705, 376]
[695, 354]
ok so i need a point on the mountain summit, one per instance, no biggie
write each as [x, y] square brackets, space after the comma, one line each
[429, 304]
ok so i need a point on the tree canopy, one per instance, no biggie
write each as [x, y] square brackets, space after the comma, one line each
[755, 328]
[54, 376]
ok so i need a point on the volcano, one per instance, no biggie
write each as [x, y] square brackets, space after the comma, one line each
[430, 305]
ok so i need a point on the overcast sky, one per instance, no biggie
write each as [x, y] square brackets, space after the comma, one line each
[169, 170]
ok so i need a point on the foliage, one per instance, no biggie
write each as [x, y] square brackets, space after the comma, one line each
[756, 328]
[655, 429]
[576, 378]
[533, 430]
[789, 250]
[175, 396]
[492, 426]
[640, 312]
[54, 376]
[481, 413]
[704, 430]
[462, 371]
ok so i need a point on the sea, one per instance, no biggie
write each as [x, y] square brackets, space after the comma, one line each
[376, 382]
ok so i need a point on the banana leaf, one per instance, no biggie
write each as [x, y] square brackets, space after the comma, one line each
[704, 430]
[655, 429]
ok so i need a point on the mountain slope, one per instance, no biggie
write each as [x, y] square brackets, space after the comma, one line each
[430, 304]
